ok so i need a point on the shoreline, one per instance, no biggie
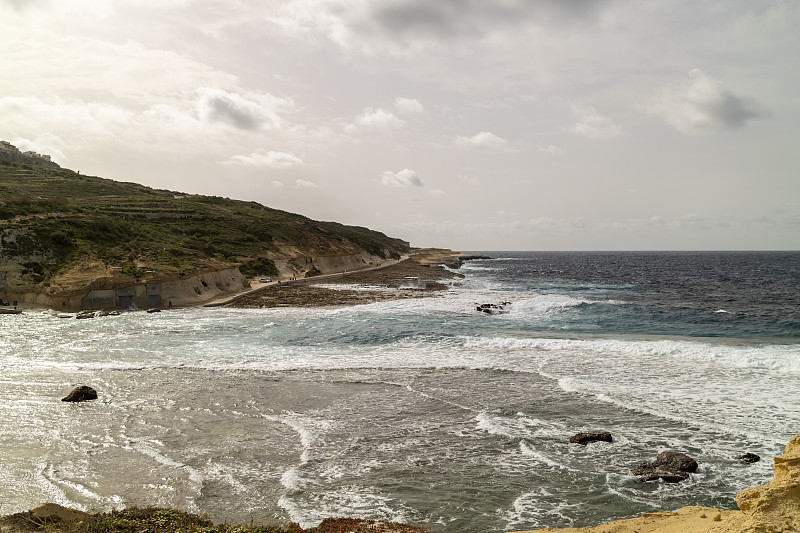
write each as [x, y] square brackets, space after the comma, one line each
[226, 289]
[421, 275]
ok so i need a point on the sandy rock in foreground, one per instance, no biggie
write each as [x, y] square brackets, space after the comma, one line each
[770, 508]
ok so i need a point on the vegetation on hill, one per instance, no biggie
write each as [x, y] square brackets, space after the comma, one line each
[63, 216]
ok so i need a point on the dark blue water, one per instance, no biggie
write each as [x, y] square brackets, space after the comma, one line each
[743, 295]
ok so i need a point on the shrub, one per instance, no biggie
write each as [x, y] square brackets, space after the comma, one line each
[258, 267]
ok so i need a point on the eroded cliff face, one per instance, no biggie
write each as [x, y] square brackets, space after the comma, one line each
[774, 507]
[20, 262]
[770, 508]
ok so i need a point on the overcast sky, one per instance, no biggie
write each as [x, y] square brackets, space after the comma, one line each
[468, 124]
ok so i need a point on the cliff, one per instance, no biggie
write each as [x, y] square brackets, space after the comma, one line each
[64, 235]
[770, 508]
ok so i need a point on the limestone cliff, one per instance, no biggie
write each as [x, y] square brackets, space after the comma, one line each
[770, 508]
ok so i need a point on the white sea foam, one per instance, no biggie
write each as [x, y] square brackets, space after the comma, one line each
[355, 287]
[772, 356]
[546, 303]
[291, 479]
[539, 508]
[529, 451]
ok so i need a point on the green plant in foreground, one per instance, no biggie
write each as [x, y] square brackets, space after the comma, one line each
[159, 520]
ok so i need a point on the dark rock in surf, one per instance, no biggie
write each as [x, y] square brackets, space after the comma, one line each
[671, 467]
[647, 472]
[81, 393]
[676, 461]
[590, 436]
[491, 309]
[85, 314]
[154, 310]
[748, 458]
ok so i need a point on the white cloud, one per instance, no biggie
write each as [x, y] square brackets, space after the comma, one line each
[46, 144]
[484, 139]
[277, 184]
[269, 159]
[551, 150]
[593, 125]
[469, 179]
[701, 104]
[408, 105]
[404, 178]
[378, 119]
[303, 184]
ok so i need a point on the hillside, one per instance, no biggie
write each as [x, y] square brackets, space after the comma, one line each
[61, 231]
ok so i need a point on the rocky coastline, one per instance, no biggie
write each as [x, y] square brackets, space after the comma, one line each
[770, 508]
[421, 275]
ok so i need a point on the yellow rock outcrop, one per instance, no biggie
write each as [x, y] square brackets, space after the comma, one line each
[770, 508]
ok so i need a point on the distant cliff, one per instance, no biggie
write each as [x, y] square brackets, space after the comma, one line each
[64, 235]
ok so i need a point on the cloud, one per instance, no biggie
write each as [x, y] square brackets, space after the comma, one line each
[303, 184]
[593, 125]
[246, 113]
[551, 150]
[378, 119]
[400, 26]
[46, 144]
[484, 139]
[701, 104]
[408, 105]
[270, 159]
[277, 184]
[404, 178]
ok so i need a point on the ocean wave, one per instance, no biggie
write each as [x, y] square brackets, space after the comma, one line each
[779, 357]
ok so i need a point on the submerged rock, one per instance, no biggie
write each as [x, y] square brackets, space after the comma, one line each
[81, 393]
[590, 436]
[491, 309]
[671, 467]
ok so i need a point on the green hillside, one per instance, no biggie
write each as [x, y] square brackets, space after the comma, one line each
[65, 217]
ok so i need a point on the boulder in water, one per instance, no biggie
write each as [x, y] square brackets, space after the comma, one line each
[81, 393]
[590, 436]
[668, 466]
[748, 458]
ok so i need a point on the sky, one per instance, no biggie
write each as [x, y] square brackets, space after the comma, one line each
[466, 124]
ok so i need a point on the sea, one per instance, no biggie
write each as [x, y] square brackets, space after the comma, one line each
[426, 411]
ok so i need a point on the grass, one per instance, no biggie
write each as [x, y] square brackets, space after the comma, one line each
[62, 216]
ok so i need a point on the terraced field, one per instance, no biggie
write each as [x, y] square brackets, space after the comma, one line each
[68, 217]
